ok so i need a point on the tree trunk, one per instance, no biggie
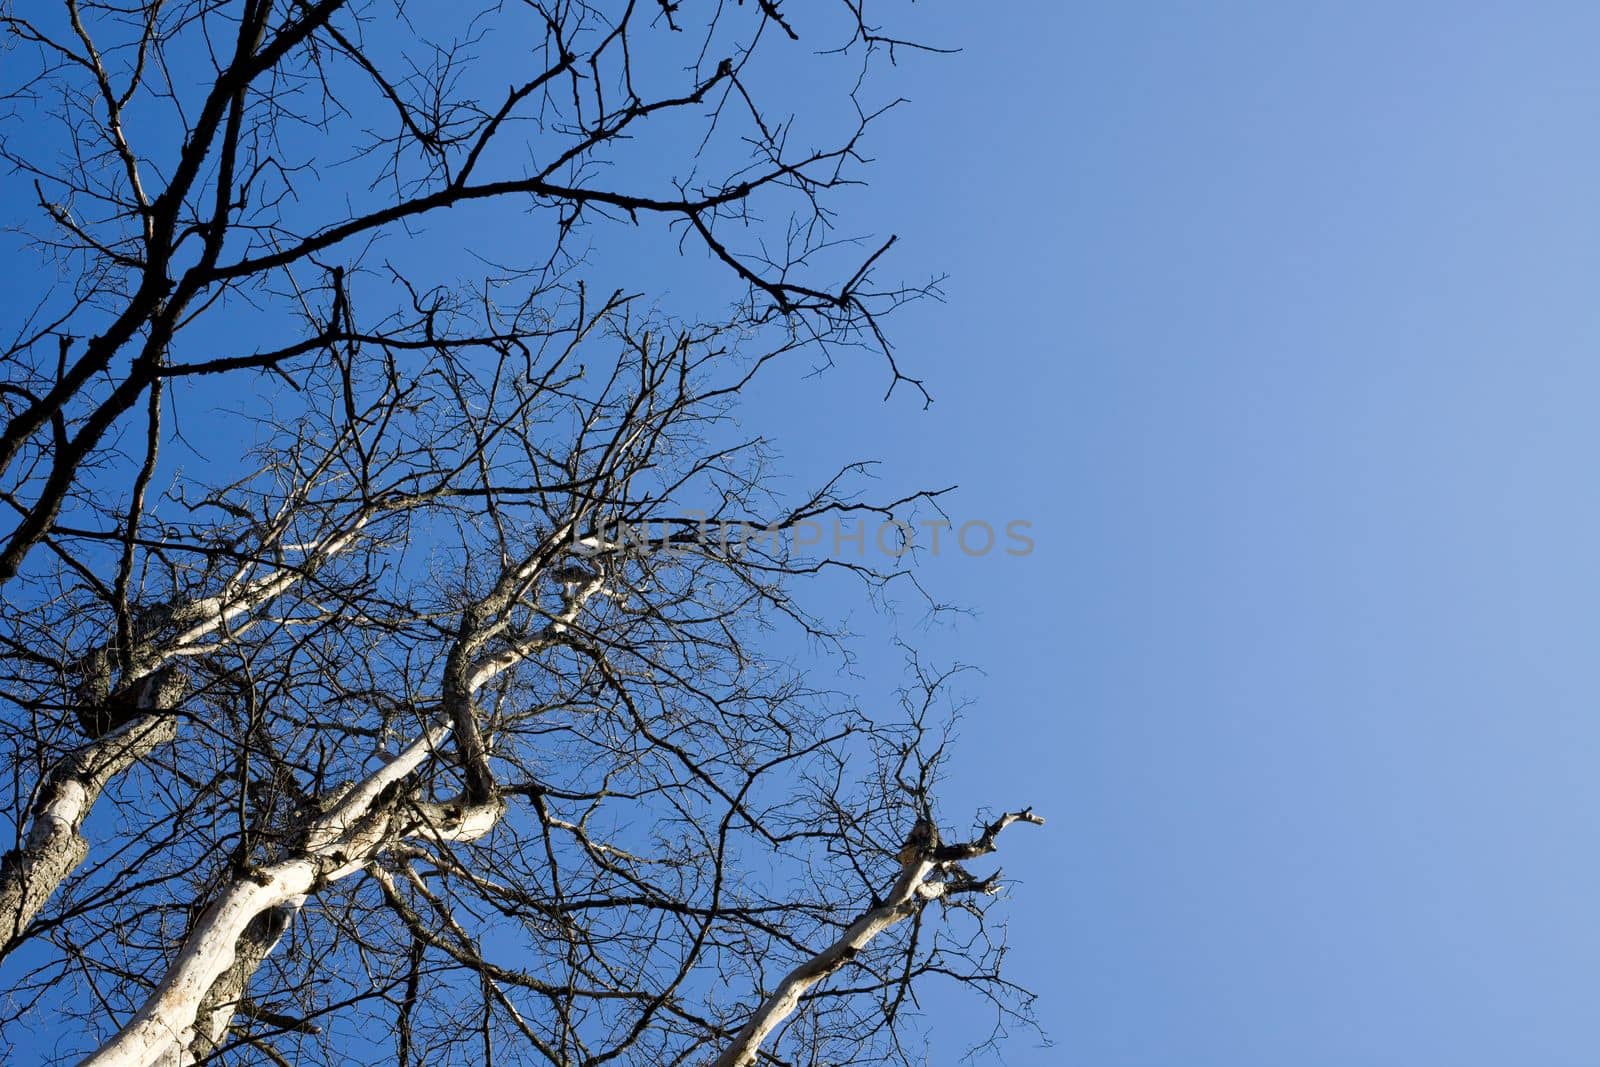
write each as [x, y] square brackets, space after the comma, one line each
[54, 845]
[184, 1012]
[227, 992]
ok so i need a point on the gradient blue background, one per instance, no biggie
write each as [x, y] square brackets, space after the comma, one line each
[1278, 321]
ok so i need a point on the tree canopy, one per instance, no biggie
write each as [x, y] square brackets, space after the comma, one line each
[406, 651]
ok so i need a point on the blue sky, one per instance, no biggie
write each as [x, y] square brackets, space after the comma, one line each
[1277, 321]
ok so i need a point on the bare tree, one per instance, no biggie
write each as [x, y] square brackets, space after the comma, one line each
[454, 715]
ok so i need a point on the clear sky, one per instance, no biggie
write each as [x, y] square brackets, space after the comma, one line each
[1278, 321]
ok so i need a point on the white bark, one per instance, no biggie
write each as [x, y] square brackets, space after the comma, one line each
[54, 845]
[226, 993]
[202, 619]
[163, 1030]
[911, 890]
[168, 1027]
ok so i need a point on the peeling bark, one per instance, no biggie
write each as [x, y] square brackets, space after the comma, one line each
[123, 728]
[54, 846]
[366, 820]
[229, 941]
[227, 992]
